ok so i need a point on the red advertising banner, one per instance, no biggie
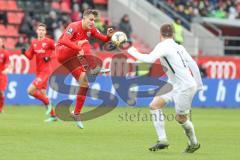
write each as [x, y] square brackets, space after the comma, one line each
[227, 67]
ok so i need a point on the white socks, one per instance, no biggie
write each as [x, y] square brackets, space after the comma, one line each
[158, 122]
[190, 133]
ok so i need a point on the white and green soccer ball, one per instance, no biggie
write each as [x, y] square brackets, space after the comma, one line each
[118, 38]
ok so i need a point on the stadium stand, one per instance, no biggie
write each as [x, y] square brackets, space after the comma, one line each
[218, 16]
[19, 17]
[22, 17]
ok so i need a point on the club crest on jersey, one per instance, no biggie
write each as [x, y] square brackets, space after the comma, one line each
[70, 31]
[44, 45]
[34, 45]
[89, 34]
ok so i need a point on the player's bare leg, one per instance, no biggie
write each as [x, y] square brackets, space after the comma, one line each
[1, 101]
[188, 127]
[158, 121]
[51, 109]
[41, 95]
[81, 96]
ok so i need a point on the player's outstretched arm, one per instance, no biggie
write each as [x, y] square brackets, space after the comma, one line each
[105, 38]
[28, 53]
[148, 58]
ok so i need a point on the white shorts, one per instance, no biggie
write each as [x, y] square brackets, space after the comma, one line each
[182, 99]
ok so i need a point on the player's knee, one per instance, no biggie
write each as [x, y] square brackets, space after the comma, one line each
[84, 85]
[153, 106]
[157, 105]
[181, 118]
[30, 90]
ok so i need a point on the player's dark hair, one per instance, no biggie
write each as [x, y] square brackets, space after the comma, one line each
[42, 25]
[89, 12]
[167, 31]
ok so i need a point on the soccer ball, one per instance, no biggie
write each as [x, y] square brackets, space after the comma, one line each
[118, 38]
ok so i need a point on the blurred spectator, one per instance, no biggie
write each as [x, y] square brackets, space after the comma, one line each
[75, 15]
[3, 17]
[125, 25]
[106, 26]
[28, 26]
[90, 3]
[220, 13]
[181, 11]
[232, 13]
[58, 31]
[178, 31]
[21, 43]
[52, 23]
[99, 24]
[84, 7]
[205, 8]
[83, 4]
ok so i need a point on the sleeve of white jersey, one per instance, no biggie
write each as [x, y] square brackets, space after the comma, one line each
[147, 58]
[194, 69]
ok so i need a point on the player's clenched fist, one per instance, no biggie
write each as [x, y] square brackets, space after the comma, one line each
[110, 32]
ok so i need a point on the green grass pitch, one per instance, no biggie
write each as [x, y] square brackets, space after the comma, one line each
[25, 135]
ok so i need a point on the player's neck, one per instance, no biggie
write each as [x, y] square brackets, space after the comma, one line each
[164, 39]
[40, 38]
[84, 27]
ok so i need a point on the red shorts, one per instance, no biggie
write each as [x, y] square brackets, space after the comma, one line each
[64, 55]
[3, 82]
[41, 80]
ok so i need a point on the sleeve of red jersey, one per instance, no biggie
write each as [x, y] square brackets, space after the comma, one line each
[66, 38]
[97, 34]
[29, 53]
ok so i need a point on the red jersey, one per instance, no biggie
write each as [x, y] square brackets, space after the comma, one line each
[4, 60]
[41, 49]
[74, 33]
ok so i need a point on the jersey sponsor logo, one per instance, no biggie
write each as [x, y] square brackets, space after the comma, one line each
[69, 31]
[221, 69]
[21, 64]
[40, 51]
[120, 66]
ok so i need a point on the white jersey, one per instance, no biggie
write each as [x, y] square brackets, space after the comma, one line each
[182, 70]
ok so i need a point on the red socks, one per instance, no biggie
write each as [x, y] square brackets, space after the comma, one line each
[37, 94]
[81, 96]
[1, 103]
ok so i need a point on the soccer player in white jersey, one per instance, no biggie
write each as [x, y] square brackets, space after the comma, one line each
[183, 73]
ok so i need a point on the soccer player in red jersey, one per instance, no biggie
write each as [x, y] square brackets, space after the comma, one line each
[43, 48]
[74, 42]
[4, 66]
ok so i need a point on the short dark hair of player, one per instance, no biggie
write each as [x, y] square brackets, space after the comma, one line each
[166, 30]
[42, 25]
[89, 12]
